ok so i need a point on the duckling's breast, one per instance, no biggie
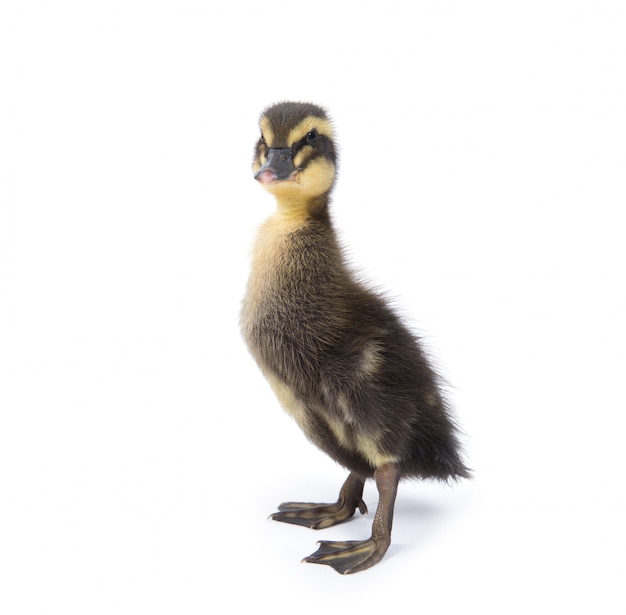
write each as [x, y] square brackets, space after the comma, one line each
[289, 313]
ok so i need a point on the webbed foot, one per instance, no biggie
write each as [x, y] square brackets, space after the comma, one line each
[349, 556]
[319, 516]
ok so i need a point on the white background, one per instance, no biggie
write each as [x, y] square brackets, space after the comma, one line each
[483, 157]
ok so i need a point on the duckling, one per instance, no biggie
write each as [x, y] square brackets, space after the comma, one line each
[338, 357]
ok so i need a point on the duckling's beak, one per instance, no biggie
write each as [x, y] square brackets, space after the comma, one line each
[279, 166]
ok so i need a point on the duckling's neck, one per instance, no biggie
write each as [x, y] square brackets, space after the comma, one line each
[297, 209]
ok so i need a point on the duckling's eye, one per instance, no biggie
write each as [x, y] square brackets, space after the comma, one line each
[311, 137]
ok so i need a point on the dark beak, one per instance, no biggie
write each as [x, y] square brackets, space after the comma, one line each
[279, 166]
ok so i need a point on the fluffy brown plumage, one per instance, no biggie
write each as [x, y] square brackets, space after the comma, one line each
[339, 358]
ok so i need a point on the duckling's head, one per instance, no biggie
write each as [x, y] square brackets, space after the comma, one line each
[295, 156]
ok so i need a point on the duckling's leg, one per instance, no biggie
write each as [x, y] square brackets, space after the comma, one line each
[351, 556]
[319, 516]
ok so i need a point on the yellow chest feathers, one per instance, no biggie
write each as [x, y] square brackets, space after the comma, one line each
[272, 256]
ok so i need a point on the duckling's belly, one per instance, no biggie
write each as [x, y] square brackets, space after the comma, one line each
[296, 371]
[342, 441]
